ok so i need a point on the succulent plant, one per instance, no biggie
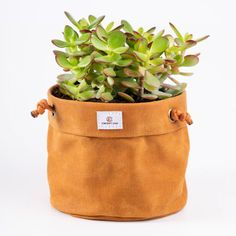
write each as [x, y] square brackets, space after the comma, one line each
[119, 63]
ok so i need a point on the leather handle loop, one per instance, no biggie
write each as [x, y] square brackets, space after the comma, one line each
[42, 105]
[177, 115]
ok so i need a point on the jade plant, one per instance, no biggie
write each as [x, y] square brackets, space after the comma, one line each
[119, 63]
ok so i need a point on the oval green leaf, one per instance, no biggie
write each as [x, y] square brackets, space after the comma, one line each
[159, 45]
[120, 50]
[85, 61]
[69, 33]
[126, 26]
[107, 97]
[60, 43]
[151, 80]
[116, 39]
[101, 33]
[82, 39]
[123, 63]
[96, 22]
[126, 96]
[149, 96]
[71, 19]
[190, 60]
[97, 43]
[130, 84]
[109, 72]
[63, 62]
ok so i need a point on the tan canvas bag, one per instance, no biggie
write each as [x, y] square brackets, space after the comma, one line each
[133, 173]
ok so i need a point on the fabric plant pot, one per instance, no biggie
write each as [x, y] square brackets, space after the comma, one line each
[117, 161]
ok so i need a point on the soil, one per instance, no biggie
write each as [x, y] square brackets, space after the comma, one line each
[57, 93]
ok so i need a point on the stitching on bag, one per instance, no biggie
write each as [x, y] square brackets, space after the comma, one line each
[119, 137]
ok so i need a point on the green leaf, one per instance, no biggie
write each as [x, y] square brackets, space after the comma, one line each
[101, 33]
[126, 26]
[101, 78]
[107, 96]
[159, 34]
[69, 33]
[137, 35]
[60, 43]
[148, 87]
[91, 18]
[141, 56]
[108, 58]
[104, 59]
[186, 73]
[178, 42]
[169, 61]
[126, 96]
[149, 96]
[56, 52]
[202, 38]
[161, 94]
[120, 50]
[97, 43]
[130, 84]
[156, 62]
[83, 86]
[86, 95]
[71, 90]
[179, 59]
[151, 30]
[187, 37]
[119, 27]
[82, 39]
[178, 89]
[83, 24]
[140, 30]
[96, 22]
[116, 39]
[151, 80]
[190, 43]
[110, 81]
[78, 54]
[190, 60]
[71, 19]
[109, 26]
[63, 62]
[159, 45]
[95, 54]
[85, 61]
[157, 69]
[141, 46]
[79, 72]
[132, 73]
[100, 91]
[73, 60]
[178, 34]
[109, 72]
[123, 63]
[65, 77]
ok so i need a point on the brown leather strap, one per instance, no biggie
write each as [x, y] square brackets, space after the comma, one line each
[177, 115]
[41, 107]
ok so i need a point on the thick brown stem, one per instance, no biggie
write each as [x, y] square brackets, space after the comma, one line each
[141, 84]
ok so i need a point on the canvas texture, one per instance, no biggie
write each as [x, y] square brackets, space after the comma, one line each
[134, 173]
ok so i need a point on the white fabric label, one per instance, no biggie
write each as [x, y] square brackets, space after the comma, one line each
[109, 120]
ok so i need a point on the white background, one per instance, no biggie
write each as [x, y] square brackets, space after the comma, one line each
[28, 69]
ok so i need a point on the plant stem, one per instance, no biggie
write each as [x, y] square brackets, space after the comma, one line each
[168, 86]
[173, 80]
[141, 89]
